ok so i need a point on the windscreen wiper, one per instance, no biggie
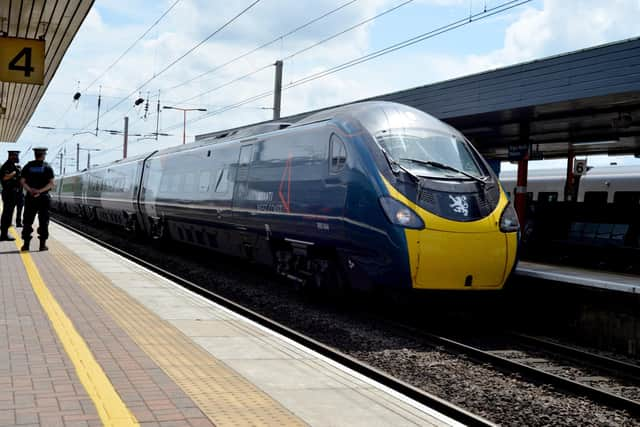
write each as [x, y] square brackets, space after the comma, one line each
[439, 165]
[393, 163]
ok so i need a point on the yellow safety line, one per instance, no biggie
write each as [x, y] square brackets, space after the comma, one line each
[111, 409]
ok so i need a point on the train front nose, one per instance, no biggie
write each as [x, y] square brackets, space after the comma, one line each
[452, 255]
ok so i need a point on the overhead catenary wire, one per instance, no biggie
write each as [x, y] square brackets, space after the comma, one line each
[389, 49]
[151, 27]
[155, 23]
[301, 51]
[184, 55]
[269, 43]
[180, 58]
[306, 24]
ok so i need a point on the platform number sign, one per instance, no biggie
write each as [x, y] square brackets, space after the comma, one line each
[579, 166]
[21, 60]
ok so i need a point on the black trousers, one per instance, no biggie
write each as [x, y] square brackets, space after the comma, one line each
[32, 206]
[8, 204]
[19, 206]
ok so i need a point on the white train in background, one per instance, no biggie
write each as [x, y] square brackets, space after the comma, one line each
[598, 184]
[601, 226]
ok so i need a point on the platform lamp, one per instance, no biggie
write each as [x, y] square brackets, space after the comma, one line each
[184, 122]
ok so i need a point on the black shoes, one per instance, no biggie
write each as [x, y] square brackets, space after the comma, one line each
[25, 246]
[6, 238]
[43, 247]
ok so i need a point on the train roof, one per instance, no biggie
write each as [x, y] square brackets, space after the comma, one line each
[377, 116]
[131, 159]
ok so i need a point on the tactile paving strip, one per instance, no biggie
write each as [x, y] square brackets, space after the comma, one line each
[226, 397]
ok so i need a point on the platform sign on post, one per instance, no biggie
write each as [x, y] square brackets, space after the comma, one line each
[579, 166]
[21, 60]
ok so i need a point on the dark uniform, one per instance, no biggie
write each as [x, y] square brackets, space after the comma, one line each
[19, 204]
[36, 174]
[10, 188]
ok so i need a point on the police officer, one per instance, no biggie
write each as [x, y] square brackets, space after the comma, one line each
[10, 178]
[37, 180]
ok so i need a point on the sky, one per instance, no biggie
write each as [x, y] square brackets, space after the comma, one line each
[155, 70]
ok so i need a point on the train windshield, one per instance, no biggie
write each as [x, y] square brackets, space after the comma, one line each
[426, 152]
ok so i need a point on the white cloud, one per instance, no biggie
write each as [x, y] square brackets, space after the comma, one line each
[561, 26]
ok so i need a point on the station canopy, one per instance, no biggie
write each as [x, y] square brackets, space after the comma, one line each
[586, 101]
[55, 22]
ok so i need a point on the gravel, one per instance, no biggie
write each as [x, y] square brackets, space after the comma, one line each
[482, 389]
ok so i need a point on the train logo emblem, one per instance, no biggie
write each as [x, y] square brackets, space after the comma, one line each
[459, 205]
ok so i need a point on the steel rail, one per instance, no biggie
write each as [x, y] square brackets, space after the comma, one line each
[628, 370]
[596, 394]
[452, 411]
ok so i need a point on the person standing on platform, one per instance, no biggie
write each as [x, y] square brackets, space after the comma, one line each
[37, 180]
[10, 179]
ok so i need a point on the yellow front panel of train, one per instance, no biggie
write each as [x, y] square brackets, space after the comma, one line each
[449, 260]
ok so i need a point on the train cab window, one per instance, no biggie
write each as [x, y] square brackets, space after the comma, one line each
[595, 197]
[222, 181]
[338, 156]
[547, 197]
[626, 198]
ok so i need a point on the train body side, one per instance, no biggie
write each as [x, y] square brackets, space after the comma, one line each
[304, 195]
[108, 193]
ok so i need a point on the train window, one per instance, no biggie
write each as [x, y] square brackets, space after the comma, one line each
[595, 197]
[222, 181]
[205, 178]
[627, 198]
[547, 197]
[338, 154]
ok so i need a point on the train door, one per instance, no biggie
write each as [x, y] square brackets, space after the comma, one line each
[243, 242]
[148, 197]
[241, 187]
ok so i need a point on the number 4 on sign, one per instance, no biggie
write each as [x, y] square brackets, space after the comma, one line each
[22, 60]
[14, 64]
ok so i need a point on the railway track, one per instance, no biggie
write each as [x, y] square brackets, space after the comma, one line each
[607, 381]
[434, 402]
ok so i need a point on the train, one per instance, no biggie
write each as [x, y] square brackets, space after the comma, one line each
[372, 195]
[596, 223]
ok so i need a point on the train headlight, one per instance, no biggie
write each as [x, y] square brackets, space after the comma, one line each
[509, 220]
[400, 214]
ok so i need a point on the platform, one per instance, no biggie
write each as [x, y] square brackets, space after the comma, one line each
[90, 338]
[579, 276]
